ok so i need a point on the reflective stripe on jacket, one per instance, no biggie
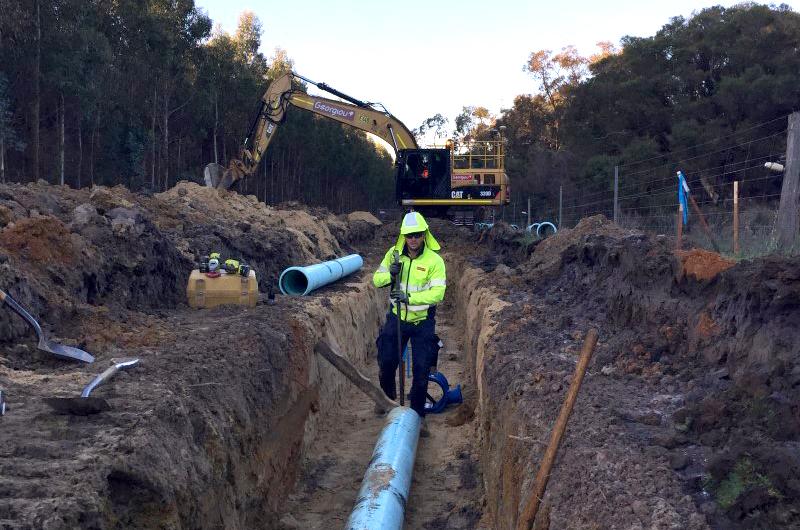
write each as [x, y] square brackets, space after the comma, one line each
[423, 278]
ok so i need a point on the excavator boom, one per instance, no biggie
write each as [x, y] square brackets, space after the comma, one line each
[272, 111]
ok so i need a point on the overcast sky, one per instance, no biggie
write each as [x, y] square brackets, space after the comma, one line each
[420, 58]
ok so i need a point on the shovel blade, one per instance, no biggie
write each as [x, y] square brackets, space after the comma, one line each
[66, 352]
[79, 406]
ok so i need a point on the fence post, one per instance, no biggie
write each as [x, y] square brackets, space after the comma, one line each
[529, 213]
[560, 204]
[735, 217]
[680, 227]
[616, 194]
[788, 220]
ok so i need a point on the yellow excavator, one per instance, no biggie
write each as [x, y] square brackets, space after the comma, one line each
[454, 181]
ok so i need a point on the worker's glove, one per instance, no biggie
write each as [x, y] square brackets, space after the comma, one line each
[394, 269]
[399, 296]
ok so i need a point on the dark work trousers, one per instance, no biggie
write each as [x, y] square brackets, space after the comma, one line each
[424, 346]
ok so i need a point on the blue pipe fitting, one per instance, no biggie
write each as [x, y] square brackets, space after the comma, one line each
[299, 281]
[449, 395]
[381, 501]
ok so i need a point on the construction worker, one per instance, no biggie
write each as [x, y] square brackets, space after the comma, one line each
[421, 285]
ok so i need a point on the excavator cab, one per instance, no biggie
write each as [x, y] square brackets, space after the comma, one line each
[423, 173]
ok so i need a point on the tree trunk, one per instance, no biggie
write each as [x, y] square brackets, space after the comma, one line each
[153, 142]
[80, 151]
[788, 221]
[61, 116]
[93, 141]
[37, 64]
[165, 153]
[216, 125]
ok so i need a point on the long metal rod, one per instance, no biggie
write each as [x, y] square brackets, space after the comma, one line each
[381, 501]
[529, 513]
[402, 364]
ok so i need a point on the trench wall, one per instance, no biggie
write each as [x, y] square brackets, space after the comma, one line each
[350, 322]
[477, 306]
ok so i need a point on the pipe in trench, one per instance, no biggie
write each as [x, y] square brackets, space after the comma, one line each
[381, 501]
[299, 281]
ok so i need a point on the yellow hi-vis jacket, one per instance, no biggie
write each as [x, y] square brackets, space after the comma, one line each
[423, 278]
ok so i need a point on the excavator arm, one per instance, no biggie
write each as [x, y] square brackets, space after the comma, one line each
[280, 94]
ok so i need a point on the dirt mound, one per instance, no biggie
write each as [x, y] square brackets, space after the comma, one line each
[689, 415]
[211, 423]
[108, 246]
[702, 264]
[39, 240]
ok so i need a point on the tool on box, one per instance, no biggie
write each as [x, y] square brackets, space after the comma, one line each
[87, 404]
[59, 350]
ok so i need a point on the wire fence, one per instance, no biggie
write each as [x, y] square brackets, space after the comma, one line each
[646, 196]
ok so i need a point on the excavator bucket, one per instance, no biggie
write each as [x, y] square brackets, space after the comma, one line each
[213, 174]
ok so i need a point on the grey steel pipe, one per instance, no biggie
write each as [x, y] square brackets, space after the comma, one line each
[381, 501]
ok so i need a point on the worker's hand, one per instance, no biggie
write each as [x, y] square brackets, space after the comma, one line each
[399, 296]
[394, 269]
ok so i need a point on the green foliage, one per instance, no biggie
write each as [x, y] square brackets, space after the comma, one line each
[150, 94]
[742, 477]
[596, 171]
[435, 123]
[662, 99]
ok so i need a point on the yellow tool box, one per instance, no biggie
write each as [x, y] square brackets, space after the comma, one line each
[209, 291]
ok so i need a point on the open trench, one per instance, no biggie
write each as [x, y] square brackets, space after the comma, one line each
[232, 421]
[446, 489]
[258, 431]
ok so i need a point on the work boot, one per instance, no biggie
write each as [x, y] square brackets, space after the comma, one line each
[423, 429]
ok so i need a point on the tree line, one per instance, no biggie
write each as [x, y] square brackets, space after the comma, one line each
[707, 94]
[146, 92]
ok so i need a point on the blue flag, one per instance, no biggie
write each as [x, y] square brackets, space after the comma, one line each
[683, 194]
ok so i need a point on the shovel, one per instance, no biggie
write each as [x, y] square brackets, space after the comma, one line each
[86, 404]
[59, 350]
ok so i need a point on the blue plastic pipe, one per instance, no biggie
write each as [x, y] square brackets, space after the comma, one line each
[299, 281]
[381, 501]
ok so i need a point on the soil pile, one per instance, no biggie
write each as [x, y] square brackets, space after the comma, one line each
[689, 413]
[109, 247]
[206, 430]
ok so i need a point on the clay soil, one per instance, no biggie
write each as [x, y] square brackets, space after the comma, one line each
[207, 431]
[688, 416]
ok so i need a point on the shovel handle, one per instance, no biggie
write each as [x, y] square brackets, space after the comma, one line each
[107, 373]
[99, 379]
[6, 298]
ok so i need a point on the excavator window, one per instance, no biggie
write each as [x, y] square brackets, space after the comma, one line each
[424, 173]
